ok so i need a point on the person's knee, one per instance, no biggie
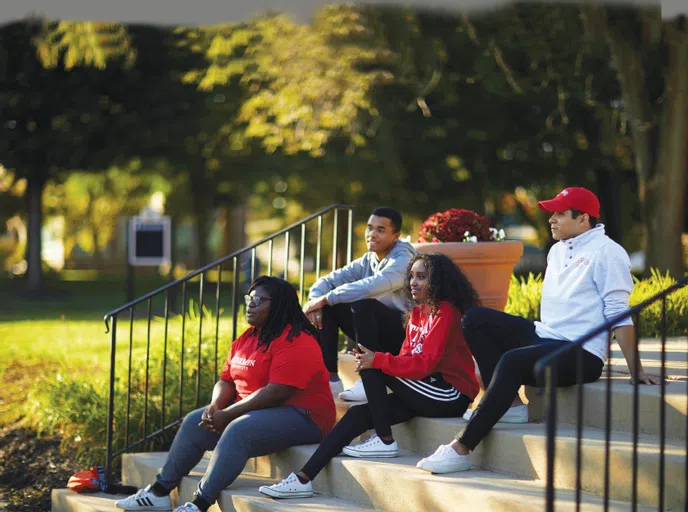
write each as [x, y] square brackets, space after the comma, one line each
[370, 374]
[357, 413]
[192, 419]
[472, 322]
[473, 319]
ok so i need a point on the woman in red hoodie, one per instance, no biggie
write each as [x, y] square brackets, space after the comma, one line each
[433, 375]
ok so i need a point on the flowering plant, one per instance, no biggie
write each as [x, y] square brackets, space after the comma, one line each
[457, 225]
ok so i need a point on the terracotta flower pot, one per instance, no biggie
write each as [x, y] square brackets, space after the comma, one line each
[488, 265]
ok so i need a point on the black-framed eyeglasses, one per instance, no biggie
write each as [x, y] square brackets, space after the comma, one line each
[255, 300]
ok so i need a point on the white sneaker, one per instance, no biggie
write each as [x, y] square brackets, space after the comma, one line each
[373, 447]
[517, 414]
[187, 507]
[145, 499]
[290, 487]
[445, 460]
[336, 387]
[355, 393]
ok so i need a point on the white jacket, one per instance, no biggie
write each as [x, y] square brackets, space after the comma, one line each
[588, 282]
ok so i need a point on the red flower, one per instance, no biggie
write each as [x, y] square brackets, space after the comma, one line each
[452, 226]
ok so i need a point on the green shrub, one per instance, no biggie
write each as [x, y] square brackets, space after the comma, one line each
[77, 408]
[525, 295]
[651, 316]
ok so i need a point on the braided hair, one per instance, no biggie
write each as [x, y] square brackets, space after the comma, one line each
[285, 310]
[446, 281]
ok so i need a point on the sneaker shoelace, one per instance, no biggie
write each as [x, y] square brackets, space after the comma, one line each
[287, 481]
[442, 451]
[140, 493]
[371, 441]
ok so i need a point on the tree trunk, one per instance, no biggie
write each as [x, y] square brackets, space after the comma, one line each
[666, 191]
[97, 256]
[609, 193]
[659, 142]
[234, 232]
[34, 197]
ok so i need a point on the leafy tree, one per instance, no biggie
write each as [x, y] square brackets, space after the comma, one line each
[56, 117]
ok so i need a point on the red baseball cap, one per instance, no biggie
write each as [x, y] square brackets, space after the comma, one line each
[573, 198]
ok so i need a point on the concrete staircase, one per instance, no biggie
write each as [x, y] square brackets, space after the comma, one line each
[509, 465]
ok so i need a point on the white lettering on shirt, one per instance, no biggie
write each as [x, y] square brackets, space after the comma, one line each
[240, 361]
[418, 334]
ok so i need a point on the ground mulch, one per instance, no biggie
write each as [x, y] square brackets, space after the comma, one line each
[30, 467]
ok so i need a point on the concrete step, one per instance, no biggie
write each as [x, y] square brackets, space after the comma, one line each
[241, 496]
[595, 400]
[521, 450]
[390, 485]
[140, 469]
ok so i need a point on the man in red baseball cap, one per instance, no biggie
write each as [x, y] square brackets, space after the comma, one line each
[573, 198]
[575, 210]
[587, 283]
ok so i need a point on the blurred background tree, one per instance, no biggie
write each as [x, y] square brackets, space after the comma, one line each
[269, 119]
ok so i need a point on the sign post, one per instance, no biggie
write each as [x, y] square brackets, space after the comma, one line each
[148, 244]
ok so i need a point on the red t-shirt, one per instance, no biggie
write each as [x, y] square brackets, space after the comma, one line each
[434, 343]
[297, 362]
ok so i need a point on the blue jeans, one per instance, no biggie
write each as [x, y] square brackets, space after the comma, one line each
[506, 349]
[254, 434]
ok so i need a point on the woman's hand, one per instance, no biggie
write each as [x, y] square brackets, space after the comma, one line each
[364, 358]
[220, 420]
[207, 417]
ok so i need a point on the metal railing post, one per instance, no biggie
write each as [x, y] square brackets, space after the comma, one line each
[551, 418]
[111, 404]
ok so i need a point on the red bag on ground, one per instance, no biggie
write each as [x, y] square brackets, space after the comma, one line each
[91, 480]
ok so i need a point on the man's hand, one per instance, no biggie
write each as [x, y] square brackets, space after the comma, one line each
[364, 358]
[644, 378]
[312, 310]
[625, 337]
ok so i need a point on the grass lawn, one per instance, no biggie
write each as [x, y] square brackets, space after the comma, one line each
[41, 339]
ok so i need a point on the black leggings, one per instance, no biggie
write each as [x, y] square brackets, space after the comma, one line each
[431, 397]
[368, 322]
[506, 349]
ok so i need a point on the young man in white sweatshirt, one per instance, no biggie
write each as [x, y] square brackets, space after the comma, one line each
[365, 299]
[587, 282]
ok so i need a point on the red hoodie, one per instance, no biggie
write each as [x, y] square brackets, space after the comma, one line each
[434, 343]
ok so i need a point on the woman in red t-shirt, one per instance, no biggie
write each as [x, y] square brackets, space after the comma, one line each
[433, 375]
[273, 393]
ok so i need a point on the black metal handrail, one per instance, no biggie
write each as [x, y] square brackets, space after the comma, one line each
[546, 376]
[164, 291]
